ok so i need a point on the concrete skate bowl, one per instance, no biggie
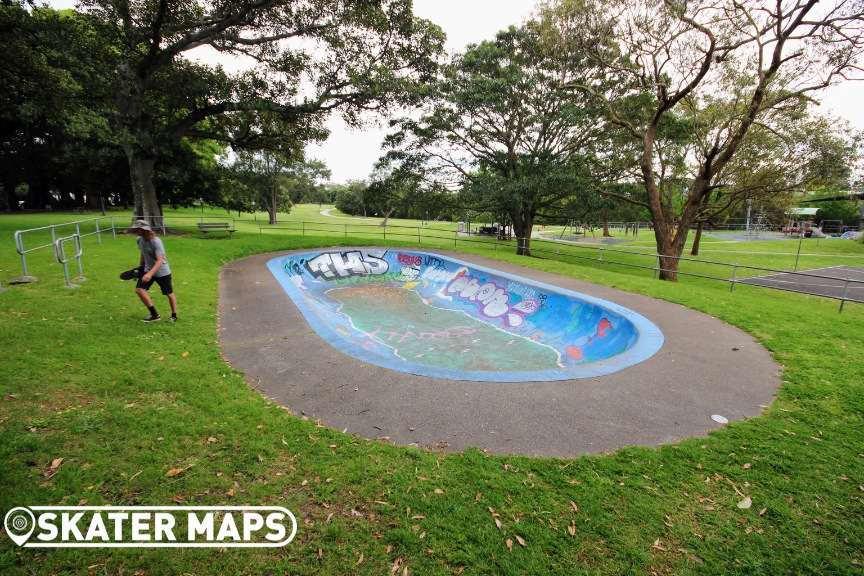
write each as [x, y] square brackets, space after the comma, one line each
[430, 315]
[447, 350]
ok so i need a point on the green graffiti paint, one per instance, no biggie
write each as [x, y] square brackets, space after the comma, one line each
[421, 333]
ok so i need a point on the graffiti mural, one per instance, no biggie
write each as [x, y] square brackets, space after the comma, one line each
[435, 316]
[332, 265]
[493, 301]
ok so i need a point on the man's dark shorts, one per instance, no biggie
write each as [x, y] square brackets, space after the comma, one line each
[164, 283]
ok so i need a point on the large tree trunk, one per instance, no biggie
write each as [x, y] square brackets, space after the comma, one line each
[141, 165]
[606, 233]
[522, 227]
[136, 132]
[668, 263]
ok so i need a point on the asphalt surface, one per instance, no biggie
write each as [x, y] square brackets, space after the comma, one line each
[835, 281]
[705, 368]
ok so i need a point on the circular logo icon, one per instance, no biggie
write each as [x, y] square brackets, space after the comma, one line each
[19, 523]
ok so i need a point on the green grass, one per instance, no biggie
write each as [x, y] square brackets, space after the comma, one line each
[122, 403]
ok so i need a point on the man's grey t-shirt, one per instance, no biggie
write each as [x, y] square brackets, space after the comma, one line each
[150, 248]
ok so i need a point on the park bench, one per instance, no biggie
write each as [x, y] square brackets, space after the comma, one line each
[207, 227]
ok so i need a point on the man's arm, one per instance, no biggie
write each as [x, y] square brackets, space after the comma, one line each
[149, 275]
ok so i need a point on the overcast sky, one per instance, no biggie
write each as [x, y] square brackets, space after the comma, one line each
[351, 154]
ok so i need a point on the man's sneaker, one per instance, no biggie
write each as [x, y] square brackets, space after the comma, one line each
[152, 318]
[172, 319]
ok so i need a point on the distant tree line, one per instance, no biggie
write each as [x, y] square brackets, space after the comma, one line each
[105, 106]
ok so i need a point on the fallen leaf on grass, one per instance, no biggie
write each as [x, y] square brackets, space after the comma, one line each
[56, 463]
[396, 564]
[359, 560]
[498, 524]
[575, 508]
[571, 529]
[521, 541]
[185, 354]
[745, 503]
[439, 491]
[509, 544]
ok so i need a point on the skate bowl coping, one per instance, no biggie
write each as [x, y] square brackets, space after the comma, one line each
[433, 315]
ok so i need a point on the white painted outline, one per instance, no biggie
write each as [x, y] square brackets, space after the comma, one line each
[172, 509]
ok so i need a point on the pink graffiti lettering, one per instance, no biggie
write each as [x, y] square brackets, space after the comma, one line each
[493, 301]
[410, 260]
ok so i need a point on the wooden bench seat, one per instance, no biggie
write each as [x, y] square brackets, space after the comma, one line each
[207, 227]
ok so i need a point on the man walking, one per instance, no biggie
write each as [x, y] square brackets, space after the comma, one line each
[155, 269]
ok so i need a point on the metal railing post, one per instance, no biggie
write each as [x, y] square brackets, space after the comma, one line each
[734, 276]
[600, 260]
[845, 294]
[60, 255]
[656, 266]
[19, 245]
[79, 249]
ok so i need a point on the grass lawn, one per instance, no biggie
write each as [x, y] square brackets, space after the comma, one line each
[97, 408]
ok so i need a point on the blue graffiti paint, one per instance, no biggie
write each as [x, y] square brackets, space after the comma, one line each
[464, 322]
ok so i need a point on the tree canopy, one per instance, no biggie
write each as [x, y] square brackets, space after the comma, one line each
[499, 126]
[712, 95]
[304, 59]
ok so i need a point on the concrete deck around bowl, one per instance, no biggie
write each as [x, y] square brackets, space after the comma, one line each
[705, 367]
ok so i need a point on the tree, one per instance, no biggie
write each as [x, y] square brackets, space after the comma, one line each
[303, 181]
[307, 58]
[739, 76]
[501, 128]
[53, 132]
[350, 198]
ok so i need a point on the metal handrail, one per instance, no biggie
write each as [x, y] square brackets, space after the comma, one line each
[60, 255]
